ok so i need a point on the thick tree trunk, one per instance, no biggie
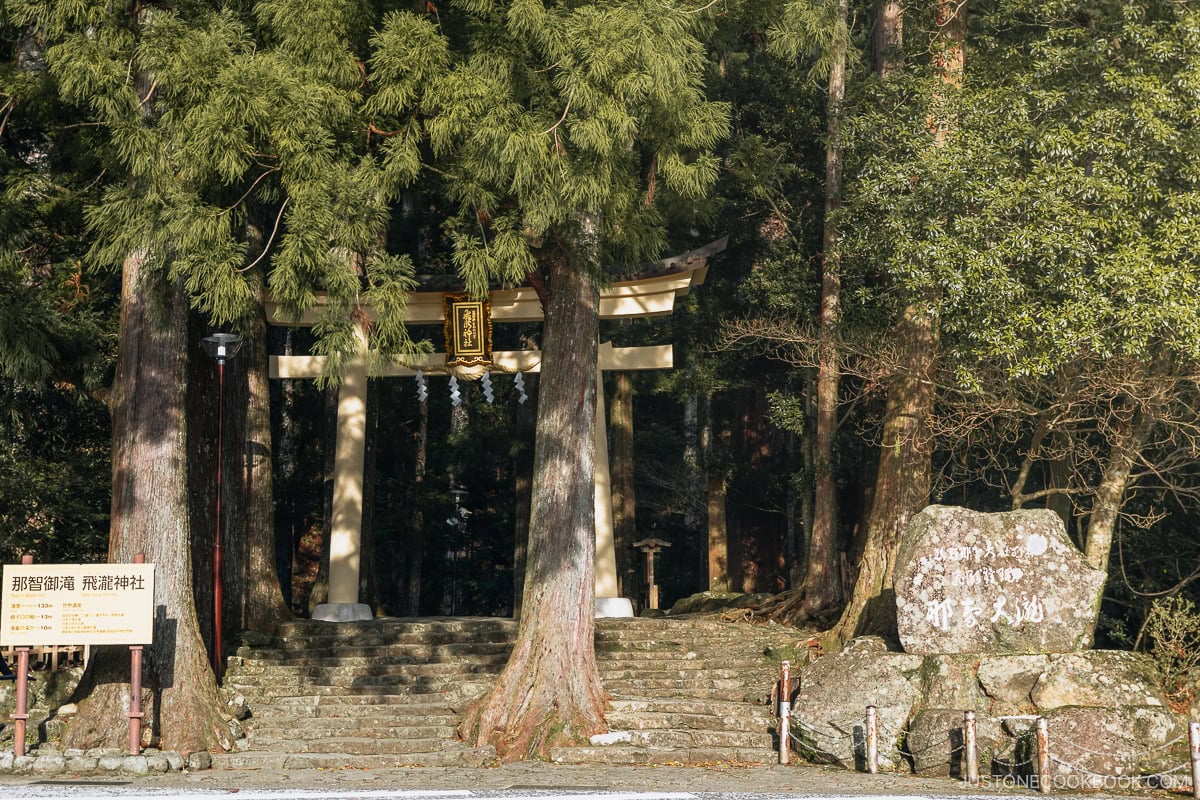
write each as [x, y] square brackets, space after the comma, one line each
[822, 578]
[259, 597]
[150, 516]
[887, 45]
[620, 425]
[718, 534]
[1130, 436]
[902, 479]
[549, 692]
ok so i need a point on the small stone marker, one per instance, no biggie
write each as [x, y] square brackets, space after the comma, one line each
[1009, 582]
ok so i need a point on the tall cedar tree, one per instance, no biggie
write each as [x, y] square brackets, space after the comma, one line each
[204, 113]
[823, 27]
[561, 129]
[904, 474]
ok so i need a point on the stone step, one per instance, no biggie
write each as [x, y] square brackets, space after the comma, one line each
[352, 744]
[390, 653]
[396, 625]
[323, 728]
[323, 671]
[402, 694]
[689, 706]
[688, 659]
[331, 711]
[668, 672]
[386, 675]
[684, 684]
[626, 755]
[706, 739]
[742, 695]
[459, 756]
[642, 721]
[383, 636]
[333, 697]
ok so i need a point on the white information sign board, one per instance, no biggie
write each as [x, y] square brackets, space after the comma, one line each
[51, 604]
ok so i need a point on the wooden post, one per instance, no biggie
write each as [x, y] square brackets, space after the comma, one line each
[20, 714]
[135, 688]
[650, 547]
[872, 738]
[1194, 742]
[970, 749]
[1043, 754]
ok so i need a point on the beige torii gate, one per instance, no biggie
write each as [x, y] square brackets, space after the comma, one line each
[651, 296]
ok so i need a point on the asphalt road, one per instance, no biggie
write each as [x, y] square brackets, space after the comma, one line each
[520, 781]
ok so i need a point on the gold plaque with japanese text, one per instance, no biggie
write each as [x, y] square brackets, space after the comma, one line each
[468, 332]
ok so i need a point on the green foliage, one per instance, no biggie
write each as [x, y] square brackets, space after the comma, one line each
[537, 113]
[54, 475]
[1173, 628]
[1058, 218]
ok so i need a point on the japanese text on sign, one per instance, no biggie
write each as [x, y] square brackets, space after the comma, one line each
[44, 604]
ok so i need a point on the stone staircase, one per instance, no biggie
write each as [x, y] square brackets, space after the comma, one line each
[390, 692]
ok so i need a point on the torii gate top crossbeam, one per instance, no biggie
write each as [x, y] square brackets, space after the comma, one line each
[652, 295]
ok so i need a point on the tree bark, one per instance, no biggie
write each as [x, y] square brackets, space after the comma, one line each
[150, 516]
[620, 423]
[887, 45]
[259, 597]
[1130, 436]
[904, 475]
[549, 692]
[822, 588]
[718, 534]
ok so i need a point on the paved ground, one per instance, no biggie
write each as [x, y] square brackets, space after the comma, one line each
[804, 780]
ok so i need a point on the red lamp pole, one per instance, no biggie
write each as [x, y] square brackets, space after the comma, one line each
[218, 556]
[222, 346]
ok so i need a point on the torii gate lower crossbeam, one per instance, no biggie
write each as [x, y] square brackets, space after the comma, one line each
[346, 525]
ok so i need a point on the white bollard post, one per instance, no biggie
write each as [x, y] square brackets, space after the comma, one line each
[970, 749]
[872, 740]
[785, 709]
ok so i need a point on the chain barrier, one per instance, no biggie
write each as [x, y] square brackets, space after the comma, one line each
[1103, 754]
[811, 739]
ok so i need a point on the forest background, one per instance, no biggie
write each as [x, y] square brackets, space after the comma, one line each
[962, 269]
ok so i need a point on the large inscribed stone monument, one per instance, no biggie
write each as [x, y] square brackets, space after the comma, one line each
[1010, 582]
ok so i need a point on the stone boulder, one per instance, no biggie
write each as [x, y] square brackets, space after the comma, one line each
[1008, 681]
[1093, 748]
[829, 710]
[1099, 679]
[935, 742]
[1010, 582]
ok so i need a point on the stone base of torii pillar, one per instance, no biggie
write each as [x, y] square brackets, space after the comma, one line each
[342, 612]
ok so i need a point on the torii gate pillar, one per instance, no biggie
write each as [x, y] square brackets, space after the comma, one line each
[346, 526]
